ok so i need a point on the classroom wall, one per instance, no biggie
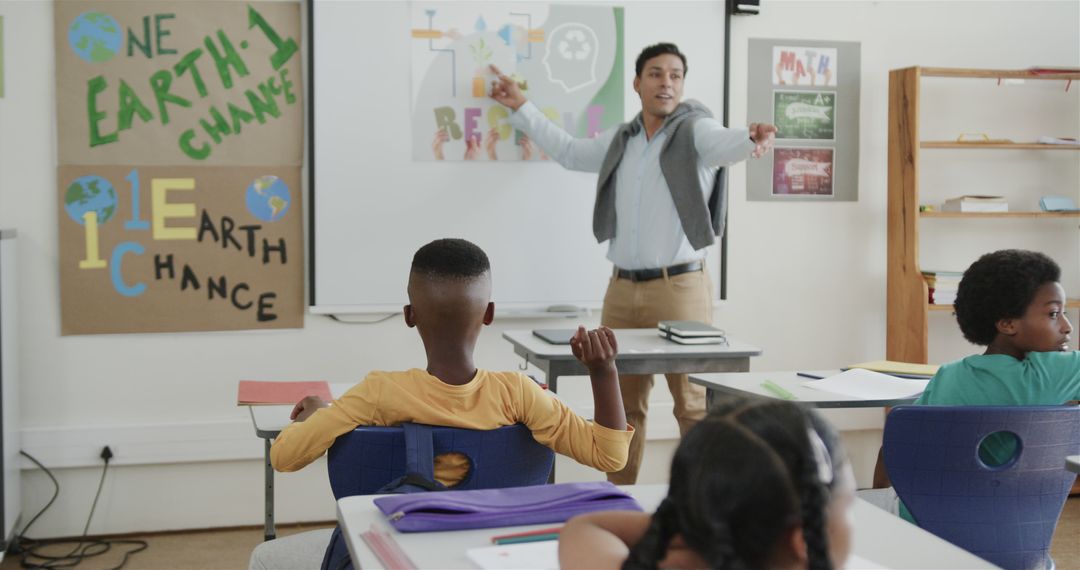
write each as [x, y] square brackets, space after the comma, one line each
[807, 284]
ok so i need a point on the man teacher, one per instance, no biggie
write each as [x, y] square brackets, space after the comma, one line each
[661, 202]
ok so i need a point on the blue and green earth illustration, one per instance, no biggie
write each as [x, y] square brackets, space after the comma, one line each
[268, 198]
[90, 194]
[95, 36]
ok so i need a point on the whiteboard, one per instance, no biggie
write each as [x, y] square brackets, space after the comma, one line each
[373, 205]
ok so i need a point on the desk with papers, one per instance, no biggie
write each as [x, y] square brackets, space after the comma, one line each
[801, 389]
[881, 540]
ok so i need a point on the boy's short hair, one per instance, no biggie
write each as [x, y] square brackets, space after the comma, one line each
[451, 258]
[655, 50]
[1000, 285]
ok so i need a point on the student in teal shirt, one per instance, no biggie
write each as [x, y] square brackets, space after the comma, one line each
[1011, 302]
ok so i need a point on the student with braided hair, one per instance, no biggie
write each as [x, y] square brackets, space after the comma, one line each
[756, 484]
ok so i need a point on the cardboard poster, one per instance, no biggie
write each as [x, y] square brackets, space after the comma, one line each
[178, 82]
[568, 59]
[179, 248]
[806, 171]
[179, 129]
[805, 66]
[805, 115]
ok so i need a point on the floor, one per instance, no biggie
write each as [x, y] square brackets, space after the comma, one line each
[229, 549]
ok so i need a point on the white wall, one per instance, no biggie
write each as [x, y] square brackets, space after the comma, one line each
[808, 285]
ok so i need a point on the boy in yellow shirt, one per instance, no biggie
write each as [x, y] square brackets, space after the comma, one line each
[449, 303]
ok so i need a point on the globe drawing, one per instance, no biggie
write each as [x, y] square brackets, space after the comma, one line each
[90, 194]
[95, 36]
[268, 198]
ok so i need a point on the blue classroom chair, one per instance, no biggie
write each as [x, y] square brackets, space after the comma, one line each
[366, 459]
[1004, 514]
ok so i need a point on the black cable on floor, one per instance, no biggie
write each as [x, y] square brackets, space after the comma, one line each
[32, 555]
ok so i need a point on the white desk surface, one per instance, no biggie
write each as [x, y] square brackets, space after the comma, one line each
[1072, 463]
[633, 344]
[743, 383]
[879, 537]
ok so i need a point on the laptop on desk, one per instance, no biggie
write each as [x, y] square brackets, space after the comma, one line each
[555, 336]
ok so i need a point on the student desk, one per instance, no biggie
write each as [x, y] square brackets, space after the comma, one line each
[1072, 463]
[641, 351]
[268, 422]
[752, 383]
[879, 537]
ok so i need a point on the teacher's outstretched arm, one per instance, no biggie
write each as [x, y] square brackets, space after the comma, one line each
[582, 154]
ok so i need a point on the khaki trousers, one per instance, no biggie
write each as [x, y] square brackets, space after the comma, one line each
[642, 305]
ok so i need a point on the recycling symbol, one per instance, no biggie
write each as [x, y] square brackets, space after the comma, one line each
[574, 45]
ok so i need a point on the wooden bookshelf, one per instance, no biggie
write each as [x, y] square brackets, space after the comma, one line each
[907, 294]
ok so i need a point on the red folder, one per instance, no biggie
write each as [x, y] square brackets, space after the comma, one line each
[258, 393]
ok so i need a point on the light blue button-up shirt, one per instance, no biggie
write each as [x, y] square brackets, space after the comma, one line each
[648, 231]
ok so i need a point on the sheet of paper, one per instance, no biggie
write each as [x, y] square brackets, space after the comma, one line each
[869, 385]
[529, 556]
[256, 392]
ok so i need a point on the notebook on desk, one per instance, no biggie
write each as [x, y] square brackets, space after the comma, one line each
[555, 336]
[261, 393]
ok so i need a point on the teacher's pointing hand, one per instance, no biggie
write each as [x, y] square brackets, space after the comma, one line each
[763, 135]
[506, 91]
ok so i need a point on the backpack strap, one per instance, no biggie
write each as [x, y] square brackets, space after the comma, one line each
[419, 450]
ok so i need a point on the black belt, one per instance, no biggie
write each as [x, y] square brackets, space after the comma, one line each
[650, 274]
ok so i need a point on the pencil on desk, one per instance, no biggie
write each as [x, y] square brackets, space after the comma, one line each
[540, 531]
[777, 390]
[530, 538]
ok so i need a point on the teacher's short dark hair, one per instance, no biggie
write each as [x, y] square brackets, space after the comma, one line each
[451, 258]
[655, 50]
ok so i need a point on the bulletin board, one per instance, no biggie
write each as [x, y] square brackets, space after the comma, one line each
[810, 91]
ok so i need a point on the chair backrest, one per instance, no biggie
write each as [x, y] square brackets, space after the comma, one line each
[1004, 514]
[364, 460]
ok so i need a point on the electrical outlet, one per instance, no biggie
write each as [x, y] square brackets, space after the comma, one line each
[106, 453]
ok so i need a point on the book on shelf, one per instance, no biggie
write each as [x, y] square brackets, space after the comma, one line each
[975, 203]
[943, 279]
[1057, 140]
[942, 286]
[1053, 70]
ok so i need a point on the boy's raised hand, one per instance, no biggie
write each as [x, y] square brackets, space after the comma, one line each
[304, 408]
[596, 349]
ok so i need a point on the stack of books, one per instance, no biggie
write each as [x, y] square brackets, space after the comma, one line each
[975, 203]
[691, 332]
[943, 286]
